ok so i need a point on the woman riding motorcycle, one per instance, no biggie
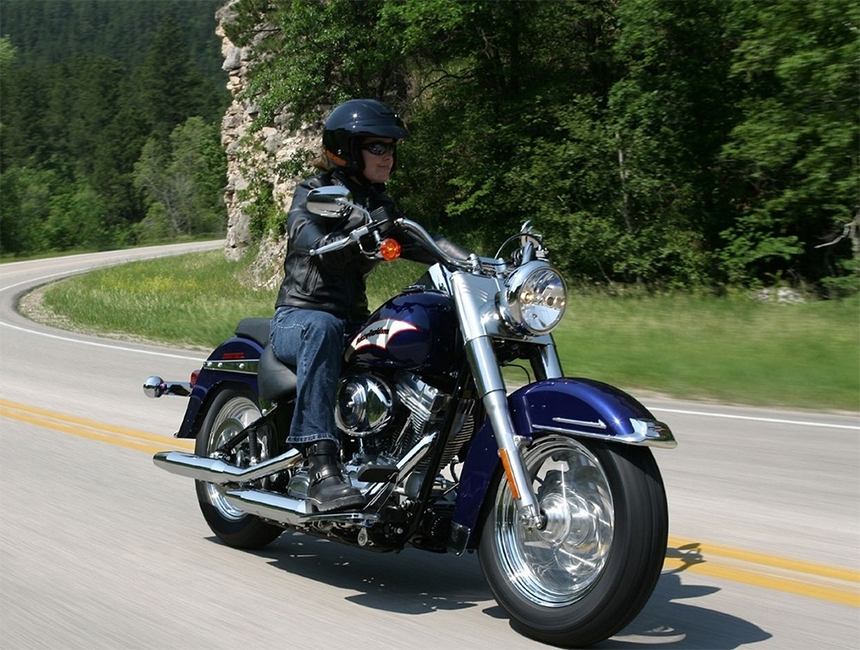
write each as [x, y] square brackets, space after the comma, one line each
[321, 295]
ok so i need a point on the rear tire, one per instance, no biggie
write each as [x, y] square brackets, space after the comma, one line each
[231, 411]
[594, 565]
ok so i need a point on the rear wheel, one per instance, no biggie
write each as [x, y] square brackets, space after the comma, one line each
[230, 412]
[593, 566]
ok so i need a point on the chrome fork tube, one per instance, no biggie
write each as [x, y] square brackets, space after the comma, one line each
[549, 360]
[473, 299]
[491, 387]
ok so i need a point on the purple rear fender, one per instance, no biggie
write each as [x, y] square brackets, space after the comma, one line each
[567, 406]
[233, 363]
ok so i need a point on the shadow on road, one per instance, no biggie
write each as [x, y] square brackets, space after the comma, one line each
[415, 583]
[411, 582]
[666, 623]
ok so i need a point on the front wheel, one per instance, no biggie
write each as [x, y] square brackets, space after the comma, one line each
[589, 571]
[230, 412]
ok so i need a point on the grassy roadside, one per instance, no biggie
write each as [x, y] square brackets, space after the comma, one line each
[729, 349]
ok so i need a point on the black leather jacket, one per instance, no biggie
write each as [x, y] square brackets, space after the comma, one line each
[335, 282]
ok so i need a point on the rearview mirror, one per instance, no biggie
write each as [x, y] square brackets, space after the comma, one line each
[330, 201]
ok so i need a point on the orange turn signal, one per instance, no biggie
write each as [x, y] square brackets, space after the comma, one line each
[389, 249]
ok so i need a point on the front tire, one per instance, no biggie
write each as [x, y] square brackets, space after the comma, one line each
[230, 412]
[593, 566]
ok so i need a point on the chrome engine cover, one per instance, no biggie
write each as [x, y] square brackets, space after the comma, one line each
[369, 405]
[365, 405]
[390, 416]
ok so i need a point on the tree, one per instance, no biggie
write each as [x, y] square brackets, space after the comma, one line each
[167, 88]
[92, 108]
[795, 151]
[667, 116]
[586, 117]
[14, 229]
[326, 52]
[76, 218]
[7, 57]
[667, 143]
[493, 80]
[182, 181]
[75, 116]
[26, 194]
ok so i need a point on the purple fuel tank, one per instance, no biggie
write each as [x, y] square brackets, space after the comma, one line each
[415, 331]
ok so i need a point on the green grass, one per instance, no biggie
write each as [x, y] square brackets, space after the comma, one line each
[188, 300]
[728, 349]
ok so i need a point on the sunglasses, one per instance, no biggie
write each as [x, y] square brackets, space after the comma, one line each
[380, 148]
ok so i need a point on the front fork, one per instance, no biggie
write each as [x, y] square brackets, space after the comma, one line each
[491, 388]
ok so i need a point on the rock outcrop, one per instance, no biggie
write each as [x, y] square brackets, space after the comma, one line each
[255, 160]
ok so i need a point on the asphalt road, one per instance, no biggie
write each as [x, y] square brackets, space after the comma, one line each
[99, 549]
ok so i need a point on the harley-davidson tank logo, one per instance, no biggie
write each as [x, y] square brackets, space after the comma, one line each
[379, 333]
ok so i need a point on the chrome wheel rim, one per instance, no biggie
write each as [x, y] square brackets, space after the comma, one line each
[234, 416]
[560, 563]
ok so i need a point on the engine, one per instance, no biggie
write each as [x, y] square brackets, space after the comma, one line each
[386, 418]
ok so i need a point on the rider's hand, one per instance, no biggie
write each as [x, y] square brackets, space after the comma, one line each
[352, 222]
[384, 219]
[336, 258]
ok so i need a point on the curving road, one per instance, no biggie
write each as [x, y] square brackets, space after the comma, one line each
[98, 549]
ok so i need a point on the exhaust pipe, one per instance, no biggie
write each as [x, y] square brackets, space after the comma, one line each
[215, 470]
[270, 506]
[291, 512]
[266, 505]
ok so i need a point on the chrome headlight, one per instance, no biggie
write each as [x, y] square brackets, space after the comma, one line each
[534, 298]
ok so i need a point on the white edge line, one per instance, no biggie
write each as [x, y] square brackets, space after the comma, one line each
[103, 345]
[35, 282]
[759, 419]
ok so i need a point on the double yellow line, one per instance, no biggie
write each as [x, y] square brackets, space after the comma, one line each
[90, 429]
[833, 584]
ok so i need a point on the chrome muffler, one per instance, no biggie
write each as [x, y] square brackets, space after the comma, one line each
[215, 470]
[291, 512]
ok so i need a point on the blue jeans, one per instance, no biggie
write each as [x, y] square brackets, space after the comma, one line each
[311, 342]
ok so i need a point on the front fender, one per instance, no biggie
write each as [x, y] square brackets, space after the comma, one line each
[570, 406]
[235, 361]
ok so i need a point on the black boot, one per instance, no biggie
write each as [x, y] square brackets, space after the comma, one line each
[328, 490]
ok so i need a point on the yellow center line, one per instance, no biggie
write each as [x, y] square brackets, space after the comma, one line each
[775, 562]
[90, 429]
[833, 584]
[810, 582]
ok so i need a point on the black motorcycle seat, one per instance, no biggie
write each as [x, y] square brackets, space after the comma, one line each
[256, 329]
[275, 380]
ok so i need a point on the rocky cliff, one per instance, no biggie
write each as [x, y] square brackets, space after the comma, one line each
[256, 158]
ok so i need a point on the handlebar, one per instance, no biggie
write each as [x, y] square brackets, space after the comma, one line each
[334, 200]
[411, 227]
[418, 231]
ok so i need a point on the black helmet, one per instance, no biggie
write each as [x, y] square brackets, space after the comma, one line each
[350, 122]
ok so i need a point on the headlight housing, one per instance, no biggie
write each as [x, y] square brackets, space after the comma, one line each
[534, 298]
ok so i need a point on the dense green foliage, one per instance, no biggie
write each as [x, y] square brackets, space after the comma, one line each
[109, 115]
[657, 142]
[53, 31]
[670, 144]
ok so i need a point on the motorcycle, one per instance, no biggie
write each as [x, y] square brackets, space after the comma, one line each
[553, 483]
